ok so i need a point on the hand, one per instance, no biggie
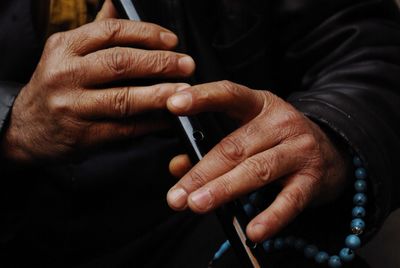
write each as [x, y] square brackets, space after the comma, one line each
[66, 107]
[274, 142]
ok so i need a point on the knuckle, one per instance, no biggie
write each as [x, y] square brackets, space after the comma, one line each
[294, 199]
[260, 169]
[144, 32]
[274, 218]
[54, 41]
[231, 88]
[162, 62]
[309, 143]
[231, 150]
[159, 98]
[252, 129]
[67, 71]
[226, 84]
[123, 102]
[116, 62]
[225, 188]
[59, 104]
[287, 120]
[197, 179]
[111, 27]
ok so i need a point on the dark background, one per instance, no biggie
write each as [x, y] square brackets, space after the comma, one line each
[384, 250]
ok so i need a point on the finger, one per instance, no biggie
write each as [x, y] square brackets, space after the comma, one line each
[122, 102]
[292, 200]
[107, 11]
[250, 139]
[127, 63]
[253, 173]
[235, 100]
[180, 165]
[114, 32]
[102, 132]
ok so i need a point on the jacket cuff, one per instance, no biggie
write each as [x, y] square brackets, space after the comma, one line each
[8, 93]
[320, 107]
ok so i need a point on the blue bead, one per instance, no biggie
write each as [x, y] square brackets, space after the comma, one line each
[299, 244]
[353, 241]
[254, 197]
[310, 251]
[289, 241]
[346, 254]
[360, 199]
[267, 245]
[357, 223]
[357, 161]
[360, 173]
[358, 212]
[321, 257]
[279, 243]
[249, 210]
[360, 186]
[335, 262]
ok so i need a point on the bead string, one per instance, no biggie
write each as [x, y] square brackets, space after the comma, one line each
[310, 251]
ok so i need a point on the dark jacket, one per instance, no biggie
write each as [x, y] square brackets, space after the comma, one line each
[337, 61]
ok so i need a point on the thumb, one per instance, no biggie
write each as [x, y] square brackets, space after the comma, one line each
[108, 11]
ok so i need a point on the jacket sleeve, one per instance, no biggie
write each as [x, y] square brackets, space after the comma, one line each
[345, 64]
[8, 93]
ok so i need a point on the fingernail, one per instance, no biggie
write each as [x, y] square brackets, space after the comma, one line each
[169, 39]
[177, 197]
[181, 100]
[182, 87]
[202, 199]
[258, 230]
[186, 65]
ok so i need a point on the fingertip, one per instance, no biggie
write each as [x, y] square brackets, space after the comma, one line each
[179, 165]
[201, 201]
[169, 39]
[187, 65]
[177, 198]
[256, 232]
[180, 102]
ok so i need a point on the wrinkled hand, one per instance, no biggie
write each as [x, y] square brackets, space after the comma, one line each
[274, 142]
[65, 106]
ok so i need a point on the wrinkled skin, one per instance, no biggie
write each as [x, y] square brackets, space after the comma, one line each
[274, 142]
[65, 108]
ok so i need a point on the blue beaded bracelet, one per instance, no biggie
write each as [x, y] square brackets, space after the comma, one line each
[352, 241]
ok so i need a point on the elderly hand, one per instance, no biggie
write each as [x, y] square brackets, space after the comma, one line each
[69, 104]
[274, 142]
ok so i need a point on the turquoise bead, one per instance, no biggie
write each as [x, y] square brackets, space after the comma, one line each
[279, 243]
[357, 161]
[289, 241]
[346, 254]
[334, 262]
[353, 241]
[360, 186]
[299, 244]
[310, 251]
[358, 212]
[361, 173]
[253, 198]
[357, 223]
[268, 245]
[249, 210]
[321, 257]
[360, 199]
